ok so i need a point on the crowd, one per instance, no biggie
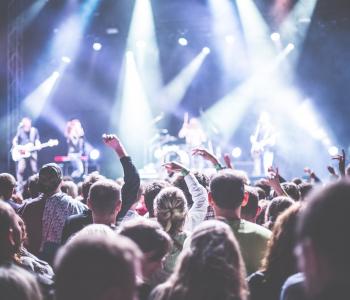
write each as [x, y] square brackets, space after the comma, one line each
[188, 236]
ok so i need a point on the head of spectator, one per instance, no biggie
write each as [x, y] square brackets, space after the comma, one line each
[251, 210]
[88, 182]
[104, 201]
[31, 187]
[227, 194]
[324, 243]
[170, 207]
[210, 268]
[305, 188]
[261, 193]
[70, 188]
[180, 183]
[297, 180]
[7, 186]
[279, 261]
[152, 189]
[291, 190]
[97, 265]
[152, 240]
[10, 233]
[276, 206]
[50, 179]
[262, 184]
[18, 284]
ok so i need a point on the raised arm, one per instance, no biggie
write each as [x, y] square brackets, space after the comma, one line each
[131, 176]
[198, 211]
[208, 156]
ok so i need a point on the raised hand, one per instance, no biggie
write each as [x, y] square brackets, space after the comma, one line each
[273, 180]
[112, 141]
[332, 172]
[175, 167]
[228, 162]
[206, 155]
[341, 162]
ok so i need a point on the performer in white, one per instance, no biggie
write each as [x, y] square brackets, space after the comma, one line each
[263, 141]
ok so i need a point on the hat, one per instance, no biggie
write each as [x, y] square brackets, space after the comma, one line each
[50, 176]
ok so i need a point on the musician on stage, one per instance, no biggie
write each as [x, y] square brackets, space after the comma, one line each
[26, 135]
[263, 141]
[76, 146]
[195, 137]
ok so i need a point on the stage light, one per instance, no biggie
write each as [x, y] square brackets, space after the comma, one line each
[290, 47]
[129, 54]
[56, 74]
[229, 39]
[66, 59]
[97, 46]
[236, 152]
[206, 50]
[326, 141]
[140, 44]
[275, 37]
[112, 30]
[172, 94]
[182, 41]
[333, 150]
[94, 154]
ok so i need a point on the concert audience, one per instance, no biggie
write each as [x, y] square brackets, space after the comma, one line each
[182, 256]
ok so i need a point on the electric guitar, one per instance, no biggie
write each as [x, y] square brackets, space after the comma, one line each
[24, 151]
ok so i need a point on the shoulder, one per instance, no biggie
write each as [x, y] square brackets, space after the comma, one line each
[256, 229]
[79, 218]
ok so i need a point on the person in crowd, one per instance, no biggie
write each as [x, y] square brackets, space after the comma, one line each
[275, 207]
[171, 211]
[70, 188]
[152, 189]
[263, 205]
[305, 188]
[18, 284]
[45, 216]
[31, 189]
[210, 268]
[7, 189]
[279, 261]
[251, 210]
[26, 135]
[227, 196]
[129, 189]
[13, 253]
[154, 243]
[261, 183]
[97, 265]
[323, 242]
[292, 190]
[104, 202]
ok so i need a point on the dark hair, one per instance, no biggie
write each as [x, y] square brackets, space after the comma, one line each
[33, 186]
[152, 189]
[93, 264]
[305, 188]
[149, 236]
[7, 184]
[227, 190]
[180, 183]
[210, 268]
[104, 196]
[261, 184]
[251, 209]
[50, 177]
[297, 180]
[70, 188]
[325, 221]
[279, 261]
[88, 182]
[261, 193]
[277, 206]
[18, 284]
[292, 190]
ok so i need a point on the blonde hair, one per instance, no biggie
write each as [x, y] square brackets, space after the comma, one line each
[170, 207]
[211, 267]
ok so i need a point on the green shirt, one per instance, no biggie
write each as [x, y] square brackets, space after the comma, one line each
[252, 239]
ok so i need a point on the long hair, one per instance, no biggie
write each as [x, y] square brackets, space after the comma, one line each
[211, 268]
[170, 206]
[279, 262]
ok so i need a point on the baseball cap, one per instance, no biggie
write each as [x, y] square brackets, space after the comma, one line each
[50, 176]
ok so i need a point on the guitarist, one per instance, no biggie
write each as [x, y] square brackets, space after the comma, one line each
[26, 134]
[263, 141]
